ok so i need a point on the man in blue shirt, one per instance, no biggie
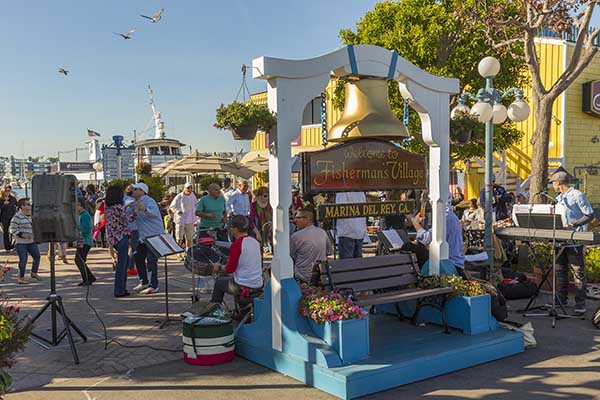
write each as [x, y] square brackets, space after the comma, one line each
[239, 202]
[579, 214]
[454, 238]
[149, 223]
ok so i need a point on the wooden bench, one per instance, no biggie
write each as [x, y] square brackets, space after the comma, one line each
[385, 279]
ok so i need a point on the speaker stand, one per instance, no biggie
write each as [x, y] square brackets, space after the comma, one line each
[55, 304]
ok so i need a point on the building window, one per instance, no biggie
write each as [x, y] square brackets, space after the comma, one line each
[312, 112]
[165, 150]
[153, 151]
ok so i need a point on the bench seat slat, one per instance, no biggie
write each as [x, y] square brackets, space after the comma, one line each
[402, 295]
[351, 264]
[341, 278]
[381, 283]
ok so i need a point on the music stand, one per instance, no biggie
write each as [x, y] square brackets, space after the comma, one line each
[164, 245]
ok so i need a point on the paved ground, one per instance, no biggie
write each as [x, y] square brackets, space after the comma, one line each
[565, 365]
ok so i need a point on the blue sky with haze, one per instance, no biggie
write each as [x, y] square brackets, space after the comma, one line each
[192, 59]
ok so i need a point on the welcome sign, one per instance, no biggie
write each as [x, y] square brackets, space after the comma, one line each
[361, 165]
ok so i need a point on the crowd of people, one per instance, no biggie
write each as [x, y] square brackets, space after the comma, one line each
[122, 220]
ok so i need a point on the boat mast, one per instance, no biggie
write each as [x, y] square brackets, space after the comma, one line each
[159, 125]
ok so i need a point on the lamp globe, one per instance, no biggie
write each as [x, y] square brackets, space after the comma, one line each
[488, 67]
[482, 110]
[518, 111]
[499, 113]
[460, 108]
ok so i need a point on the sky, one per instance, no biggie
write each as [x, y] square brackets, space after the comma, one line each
[192, 58]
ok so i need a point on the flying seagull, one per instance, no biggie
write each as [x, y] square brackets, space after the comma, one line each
[156, 17]
[127, 35]
[63, 71]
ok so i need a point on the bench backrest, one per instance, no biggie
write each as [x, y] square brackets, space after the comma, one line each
[370, 273]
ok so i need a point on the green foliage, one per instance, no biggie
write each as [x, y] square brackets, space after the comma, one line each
[592, 264]
[143, 169]
[239, 114]
[461, 287]
[323, 306]
[156, 185]
[432, 35]
[207, 180]
[14, 333]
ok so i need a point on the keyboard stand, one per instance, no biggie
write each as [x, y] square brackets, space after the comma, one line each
[546, 271]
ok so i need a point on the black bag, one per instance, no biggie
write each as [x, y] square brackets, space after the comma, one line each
[499, 309]
[519, 290]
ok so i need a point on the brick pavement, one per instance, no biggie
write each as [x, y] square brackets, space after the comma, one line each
[130, 320]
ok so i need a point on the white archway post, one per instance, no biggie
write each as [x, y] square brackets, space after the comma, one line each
[292, 84]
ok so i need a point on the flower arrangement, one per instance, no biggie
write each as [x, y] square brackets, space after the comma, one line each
[3, 271]
[14, 333]
[245, 115]
[322, 306]
[461, 287]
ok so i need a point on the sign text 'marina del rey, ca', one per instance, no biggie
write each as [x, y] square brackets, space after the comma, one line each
[363, 165]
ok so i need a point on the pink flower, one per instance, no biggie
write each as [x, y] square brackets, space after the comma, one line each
[313, 316]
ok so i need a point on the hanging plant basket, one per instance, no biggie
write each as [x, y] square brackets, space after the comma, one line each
[244, 119]
[244, 132]
[461, 128]
[461, 136]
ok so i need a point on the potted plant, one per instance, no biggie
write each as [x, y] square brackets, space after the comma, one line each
[244, 119]
[335, 319]
[469, 308]
[461, 127]
[14, 333]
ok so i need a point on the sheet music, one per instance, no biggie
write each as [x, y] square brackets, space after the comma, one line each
[392, 236]
[164, 245]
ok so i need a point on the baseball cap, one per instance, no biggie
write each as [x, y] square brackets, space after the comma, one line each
[560, 175]
[187, 185]
[523, 194]
[141, 186]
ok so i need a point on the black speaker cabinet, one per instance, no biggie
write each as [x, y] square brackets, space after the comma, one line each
[54, 212]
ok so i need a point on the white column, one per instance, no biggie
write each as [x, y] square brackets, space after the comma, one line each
[433, 109]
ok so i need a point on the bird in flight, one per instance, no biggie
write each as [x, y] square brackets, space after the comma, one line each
[127, 35]
[156, 17]
[63, 71]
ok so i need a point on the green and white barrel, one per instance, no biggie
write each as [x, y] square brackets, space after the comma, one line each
[208, 340]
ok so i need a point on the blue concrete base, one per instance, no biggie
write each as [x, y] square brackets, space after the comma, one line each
[399, 352]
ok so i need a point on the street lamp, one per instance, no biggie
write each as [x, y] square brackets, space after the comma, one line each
[489, 109]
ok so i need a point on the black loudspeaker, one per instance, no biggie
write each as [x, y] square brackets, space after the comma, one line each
[54, 213]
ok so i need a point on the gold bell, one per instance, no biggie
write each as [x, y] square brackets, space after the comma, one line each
[367, 113]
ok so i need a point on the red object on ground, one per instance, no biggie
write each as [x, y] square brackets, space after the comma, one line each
[210, 359]
[132, 272]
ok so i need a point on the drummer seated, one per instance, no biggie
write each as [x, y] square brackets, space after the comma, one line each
[245, 263]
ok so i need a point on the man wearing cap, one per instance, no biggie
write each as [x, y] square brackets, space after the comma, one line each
[500, 200]
[579, 214]
[149, 224]
[183, 207]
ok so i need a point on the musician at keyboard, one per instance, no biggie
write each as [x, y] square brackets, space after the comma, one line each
[579, 213]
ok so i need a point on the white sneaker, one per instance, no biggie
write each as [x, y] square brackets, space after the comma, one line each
[140, 287]
[149, 290]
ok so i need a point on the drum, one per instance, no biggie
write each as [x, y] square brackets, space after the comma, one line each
[208, 340]
[200, 260]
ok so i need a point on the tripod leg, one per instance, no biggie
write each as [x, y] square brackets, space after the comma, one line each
[75, 327]
[39, 314]
[68, 329]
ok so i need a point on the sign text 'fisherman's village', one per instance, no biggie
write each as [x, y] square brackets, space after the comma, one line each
[363, 165]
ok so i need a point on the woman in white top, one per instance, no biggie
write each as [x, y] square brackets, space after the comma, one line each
[473, 217]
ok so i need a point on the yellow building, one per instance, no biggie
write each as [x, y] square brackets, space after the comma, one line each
[574, 135]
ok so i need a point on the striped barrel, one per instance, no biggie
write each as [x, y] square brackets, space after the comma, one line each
[208, 340]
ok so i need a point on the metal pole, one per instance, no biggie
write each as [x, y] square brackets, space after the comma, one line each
[489, 162]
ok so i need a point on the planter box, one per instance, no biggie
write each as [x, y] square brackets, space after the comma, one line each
[473, 315]
[349, 338]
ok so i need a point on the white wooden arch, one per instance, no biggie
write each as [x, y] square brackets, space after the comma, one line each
[293, 83]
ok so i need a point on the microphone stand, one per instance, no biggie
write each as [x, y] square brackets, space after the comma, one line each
[552, 312]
